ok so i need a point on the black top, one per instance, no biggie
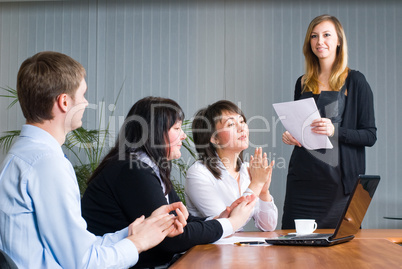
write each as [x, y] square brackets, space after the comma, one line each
[124, 191]
[320, 181]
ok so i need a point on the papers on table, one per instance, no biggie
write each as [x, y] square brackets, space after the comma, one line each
[235, 239]
[296, 117]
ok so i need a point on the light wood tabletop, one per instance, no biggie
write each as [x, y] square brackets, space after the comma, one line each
[371, 248]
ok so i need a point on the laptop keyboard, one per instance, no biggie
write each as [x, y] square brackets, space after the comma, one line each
[308, 239]
[309, 236]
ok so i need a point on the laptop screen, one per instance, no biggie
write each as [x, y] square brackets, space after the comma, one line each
[359, 202]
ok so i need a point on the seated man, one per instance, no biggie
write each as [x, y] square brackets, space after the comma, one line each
[40, 211]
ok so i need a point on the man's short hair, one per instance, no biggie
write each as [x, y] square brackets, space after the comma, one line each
[42, 78]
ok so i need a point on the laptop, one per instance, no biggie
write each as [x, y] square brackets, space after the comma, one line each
[349, 222]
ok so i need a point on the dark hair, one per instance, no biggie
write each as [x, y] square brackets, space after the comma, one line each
[42, 78]
[146, 129]
[204, 127]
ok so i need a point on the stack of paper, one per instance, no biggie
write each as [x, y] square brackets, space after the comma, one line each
[296, 117]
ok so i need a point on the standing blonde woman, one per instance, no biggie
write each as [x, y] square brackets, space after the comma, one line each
[320, 181]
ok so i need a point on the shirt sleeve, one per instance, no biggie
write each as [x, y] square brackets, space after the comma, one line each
[54, 191]
[202, 192]
[265, 215]
[365, 131]
[226, 226]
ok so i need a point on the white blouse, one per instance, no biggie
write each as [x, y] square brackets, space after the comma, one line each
[208, 196]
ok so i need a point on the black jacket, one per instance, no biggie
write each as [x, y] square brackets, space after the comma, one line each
[124, 191]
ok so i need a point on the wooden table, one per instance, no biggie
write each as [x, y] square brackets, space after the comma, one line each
[371, 248]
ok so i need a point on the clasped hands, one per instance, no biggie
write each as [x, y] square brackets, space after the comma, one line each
[260, 174]
[239, 211]
[146, 233]
[322, 126]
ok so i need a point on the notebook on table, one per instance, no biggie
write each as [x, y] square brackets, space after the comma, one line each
[349, 223]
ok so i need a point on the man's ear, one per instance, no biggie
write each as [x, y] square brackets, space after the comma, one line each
[62, 102]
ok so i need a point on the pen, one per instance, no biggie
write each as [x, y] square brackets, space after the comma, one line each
[250, 243]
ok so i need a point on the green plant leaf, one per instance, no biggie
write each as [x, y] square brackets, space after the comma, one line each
[11, 94]
[82, 138]
[82, 172]
[7, 140]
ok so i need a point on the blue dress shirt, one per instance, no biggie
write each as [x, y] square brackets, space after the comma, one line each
[40, 211]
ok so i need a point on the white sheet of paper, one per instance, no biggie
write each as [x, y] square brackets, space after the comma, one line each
[234, 239]
[296, 117]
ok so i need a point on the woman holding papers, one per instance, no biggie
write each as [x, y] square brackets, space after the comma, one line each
[320, 181]
[221, 176]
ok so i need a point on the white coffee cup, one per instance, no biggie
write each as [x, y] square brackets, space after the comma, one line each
[305, 226]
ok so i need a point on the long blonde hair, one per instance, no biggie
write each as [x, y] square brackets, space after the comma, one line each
[339, 70]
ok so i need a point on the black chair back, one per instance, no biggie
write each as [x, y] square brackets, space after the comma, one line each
[6, 262]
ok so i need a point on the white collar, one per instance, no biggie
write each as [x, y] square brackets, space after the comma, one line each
[143, 157]
[223, 167]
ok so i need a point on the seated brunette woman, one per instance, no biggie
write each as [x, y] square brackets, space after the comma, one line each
[220, 176]
[134, 179]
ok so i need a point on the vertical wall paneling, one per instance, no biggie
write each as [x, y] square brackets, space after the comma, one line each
[197, 52]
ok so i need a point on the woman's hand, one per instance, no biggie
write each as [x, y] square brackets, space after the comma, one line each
[149, 232]
[259, 170]
[264, 194]
[180, 220]
[226, 213]
[287, 138]
[240, 214]
[323, 126]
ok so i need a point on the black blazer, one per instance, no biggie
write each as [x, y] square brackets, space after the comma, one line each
[124, 191]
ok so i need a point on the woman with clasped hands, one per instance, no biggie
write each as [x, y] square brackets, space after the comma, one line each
[134, 180]
[319, 181]
[220, 176]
